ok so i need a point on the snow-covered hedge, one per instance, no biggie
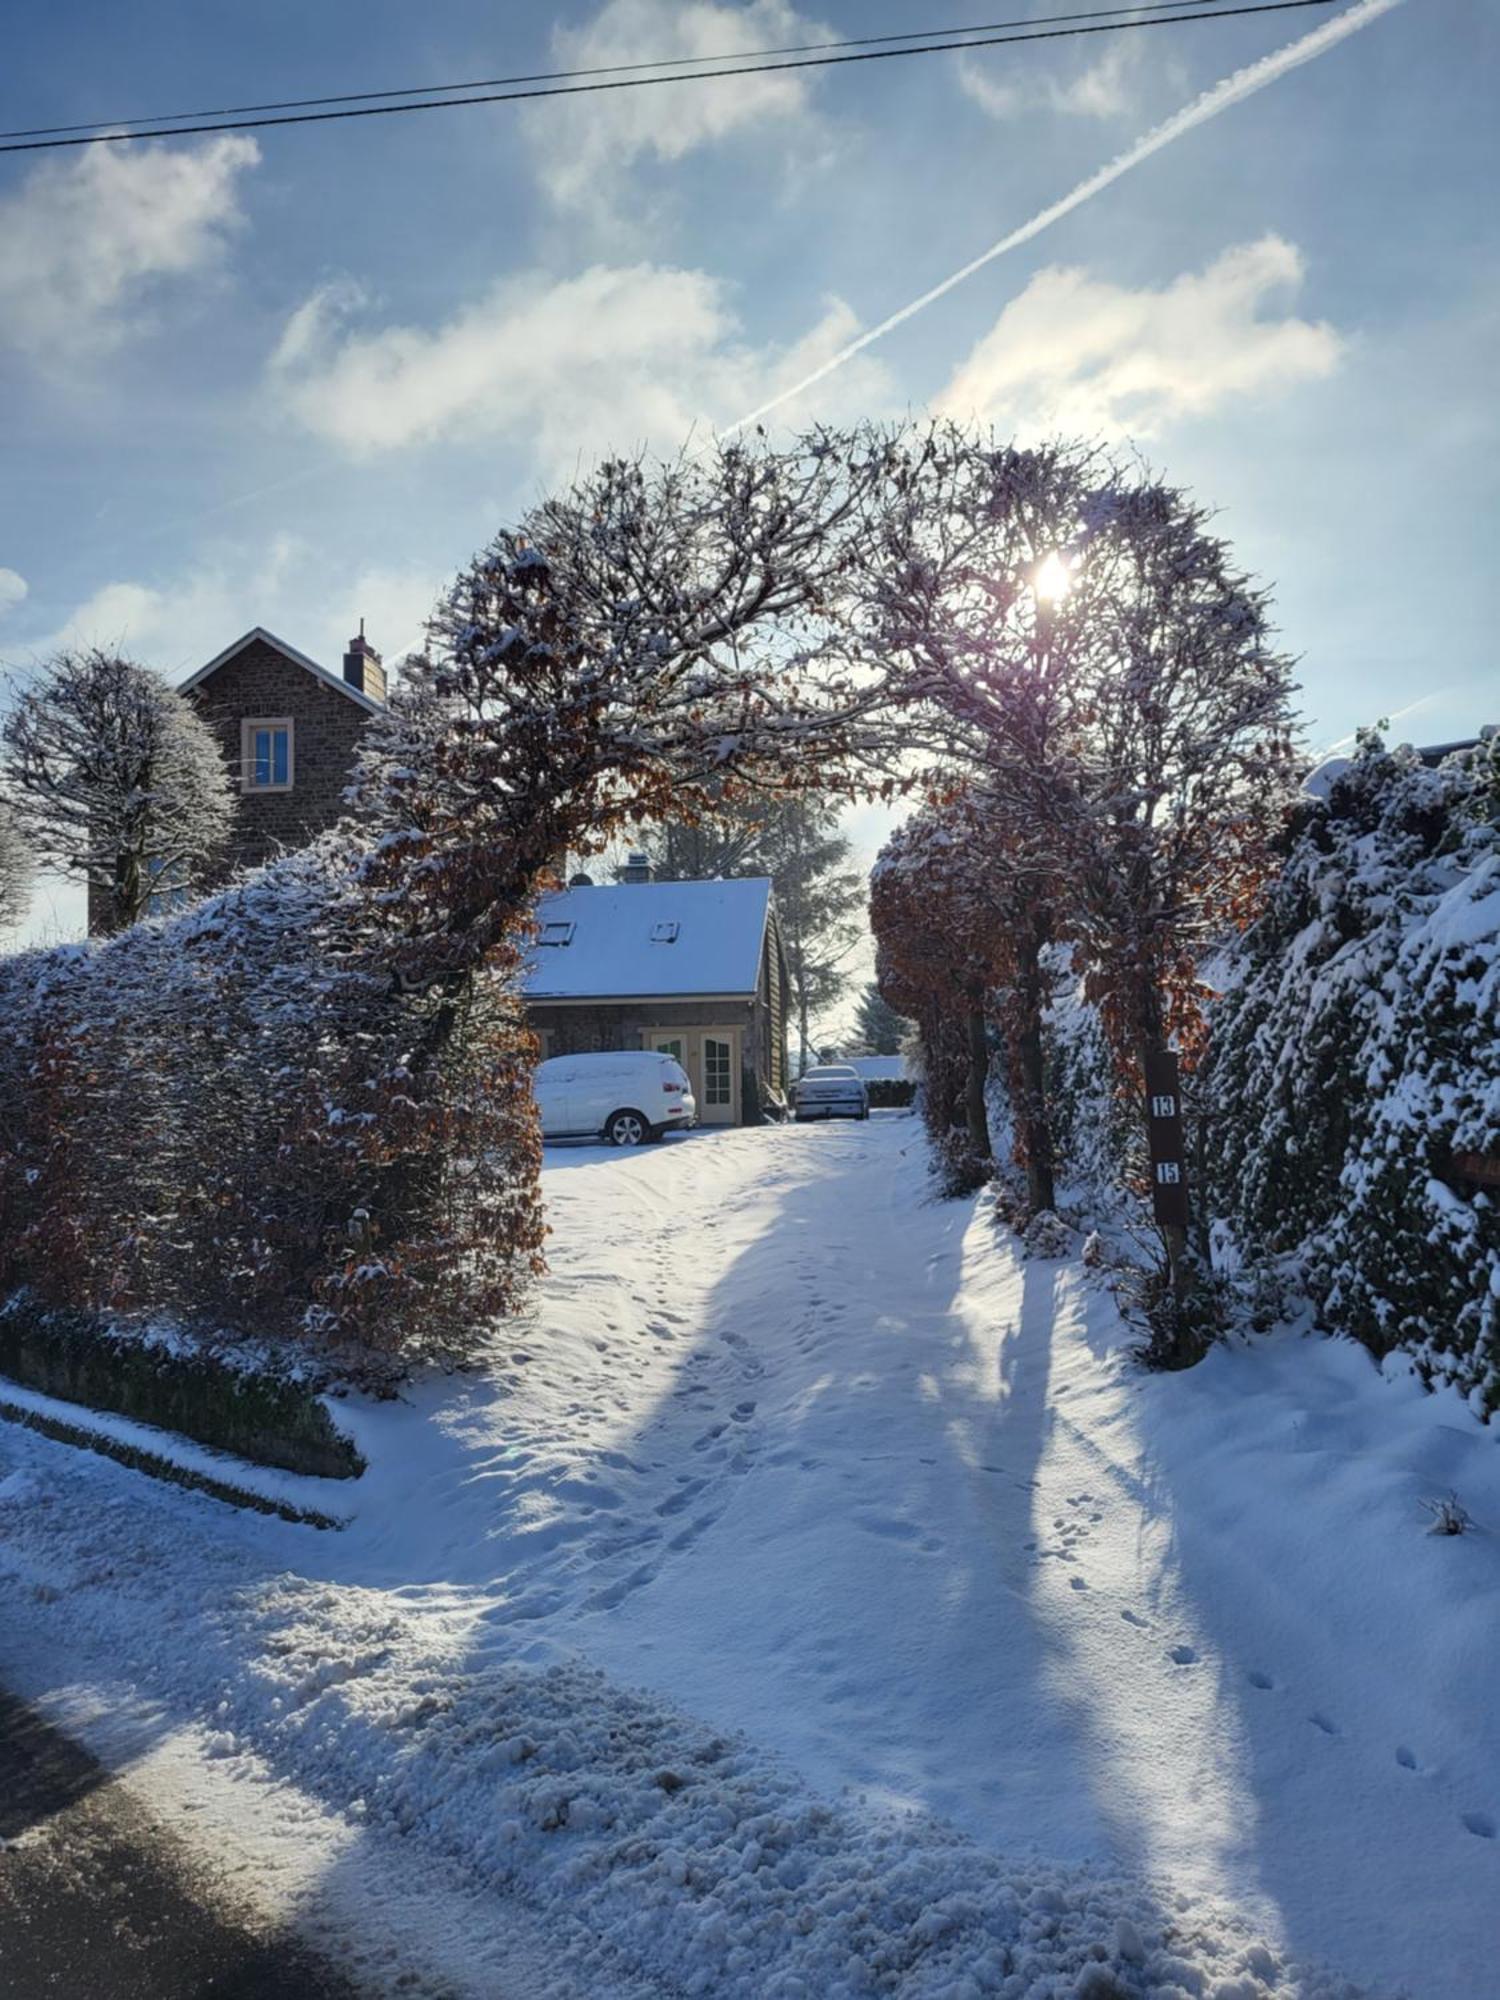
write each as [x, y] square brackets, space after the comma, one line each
[237, 1119]
[1353, 1081]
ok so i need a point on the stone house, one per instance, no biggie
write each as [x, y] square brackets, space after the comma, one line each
[289, 729]
[695, 969]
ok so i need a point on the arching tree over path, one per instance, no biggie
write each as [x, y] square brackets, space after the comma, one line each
[335, 1056]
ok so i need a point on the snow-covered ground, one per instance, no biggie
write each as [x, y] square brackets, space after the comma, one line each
[811, 1599]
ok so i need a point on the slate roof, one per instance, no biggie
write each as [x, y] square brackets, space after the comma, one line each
[638, 940]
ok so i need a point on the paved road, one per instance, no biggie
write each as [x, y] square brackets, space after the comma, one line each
[100, 1902]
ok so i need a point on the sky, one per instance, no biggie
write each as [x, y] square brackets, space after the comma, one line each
[297, 377]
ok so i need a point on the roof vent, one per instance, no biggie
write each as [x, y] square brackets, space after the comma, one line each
[637, 868]
[665, 932]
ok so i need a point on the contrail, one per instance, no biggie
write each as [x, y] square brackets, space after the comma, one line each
[1232, 90]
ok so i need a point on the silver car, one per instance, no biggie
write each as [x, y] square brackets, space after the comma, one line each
[832, 1090]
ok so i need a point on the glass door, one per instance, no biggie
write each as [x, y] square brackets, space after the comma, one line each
[717, 1106]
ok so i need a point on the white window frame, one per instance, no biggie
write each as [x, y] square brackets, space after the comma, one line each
[248, 727]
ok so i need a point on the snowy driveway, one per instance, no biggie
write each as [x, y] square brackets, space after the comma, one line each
[813, 1459]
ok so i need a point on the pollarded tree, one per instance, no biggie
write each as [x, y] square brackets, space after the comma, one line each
[115, 776]
[1070, 631]
[1184, 783]
[963, 904]
[15, 871]
[922, 968]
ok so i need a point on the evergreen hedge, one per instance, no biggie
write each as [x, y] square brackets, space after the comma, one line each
[1353, 1077]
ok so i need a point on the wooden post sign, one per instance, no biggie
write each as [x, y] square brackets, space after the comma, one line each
[1168, 1149]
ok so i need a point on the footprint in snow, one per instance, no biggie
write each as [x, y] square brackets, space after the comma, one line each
[1406, 1758]
[1184, 1656]
[1321, 1721]
[1259, 1680]
[1077, 1583]
[1134, 1618]
[1479, 1823]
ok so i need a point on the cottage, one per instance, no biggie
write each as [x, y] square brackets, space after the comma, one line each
[289, 729]
[695, 969]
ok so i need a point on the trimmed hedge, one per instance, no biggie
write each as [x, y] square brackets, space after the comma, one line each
[80, 1358]
[890, 1093]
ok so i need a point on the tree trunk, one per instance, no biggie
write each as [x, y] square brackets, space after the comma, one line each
[1036, 1126]
[128, 895]
[976, 1118]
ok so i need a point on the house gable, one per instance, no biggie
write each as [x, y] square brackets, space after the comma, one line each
[289, 731]
[260, 638]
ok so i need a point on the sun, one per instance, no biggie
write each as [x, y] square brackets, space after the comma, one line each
[1053, 580]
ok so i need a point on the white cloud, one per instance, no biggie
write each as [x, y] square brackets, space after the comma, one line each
[84, 244]
[285, 585]
[1075, 354]
[584, 145]
[613, 358]
[1108, 87]
[12, 590]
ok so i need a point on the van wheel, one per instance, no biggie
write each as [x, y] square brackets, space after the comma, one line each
[626, 1128]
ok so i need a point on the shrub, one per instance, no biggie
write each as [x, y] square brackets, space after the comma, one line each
[1354, 1064]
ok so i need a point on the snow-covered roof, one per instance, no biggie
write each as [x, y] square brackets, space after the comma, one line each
[650, 939]
[878, 1069]
[324, 674]
[1322, 778]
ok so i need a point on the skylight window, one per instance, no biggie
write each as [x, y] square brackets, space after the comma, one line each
[665, 932]
[559, 933]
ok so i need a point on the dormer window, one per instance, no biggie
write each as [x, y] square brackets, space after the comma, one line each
[665, 932]
[266, 756]
[556, 933]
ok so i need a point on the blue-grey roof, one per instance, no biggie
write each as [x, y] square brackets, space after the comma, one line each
[622, 943]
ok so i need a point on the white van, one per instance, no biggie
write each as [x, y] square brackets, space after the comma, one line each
[626, 1096]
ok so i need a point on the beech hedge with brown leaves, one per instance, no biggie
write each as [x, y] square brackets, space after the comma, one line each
[303, 1110]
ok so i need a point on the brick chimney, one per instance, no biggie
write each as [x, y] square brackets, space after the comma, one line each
[637, 868]
[362, 667]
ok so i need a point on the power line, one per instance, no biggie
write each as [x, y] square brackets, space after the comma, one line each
[681, 63]
[642, 82]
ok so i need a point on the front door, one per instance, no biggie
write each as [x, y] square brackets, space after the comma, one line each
[717, 1105]
[711, 1059]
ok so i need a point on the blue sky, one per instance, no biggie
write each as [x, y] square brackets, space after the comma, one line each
[296, 379]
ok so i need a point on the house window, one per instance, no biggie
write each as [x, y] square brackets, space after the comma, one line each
[556, 933]
[664, 933]
[266, 760]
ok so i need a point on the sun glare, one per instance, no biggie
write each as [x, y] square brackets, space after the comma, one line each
[1052, 581]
